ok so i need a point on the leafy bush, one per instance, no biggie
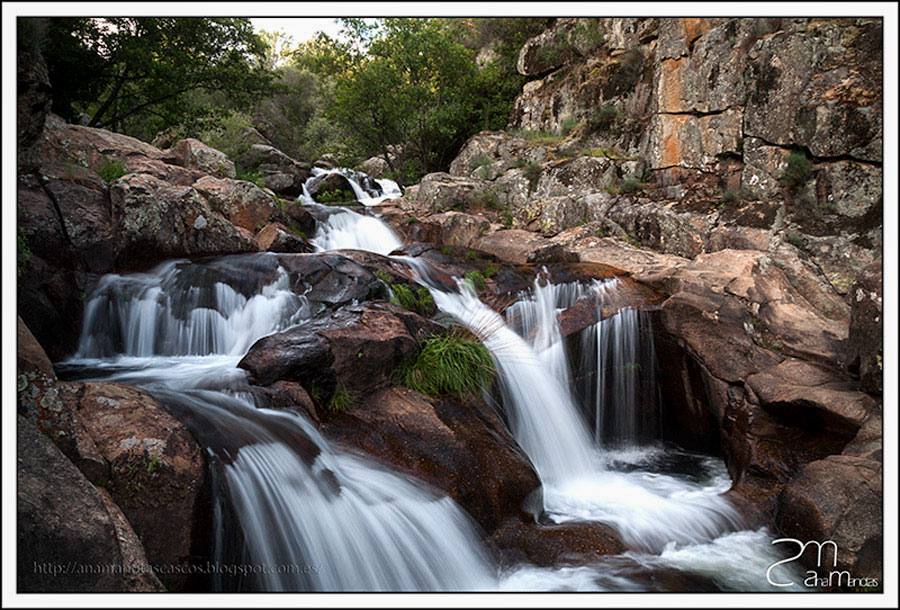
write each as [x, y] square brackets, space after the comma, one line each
[567, 125]
[797, 172]
[587, 34]
[480, 160]
[795, 239]
[732, 196]
[604, 119]
[250, 176]
[630, 185]
[111, 170]
[228, 134]
[449, 364]
[532, 172]
[486, 198]
[490, 270]
[567, 152]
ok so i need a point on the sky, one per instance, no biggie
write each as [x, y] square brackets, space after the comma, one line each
[299, 28]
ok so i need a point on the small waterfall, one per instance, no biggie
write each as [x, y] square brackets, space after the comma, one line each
[368, 191]
[618, 361]
[543, 418]
[345, 229]
[181, 309]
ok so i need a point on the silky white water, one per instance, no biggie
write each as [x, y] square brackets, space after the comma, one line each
[368, 191]
[348, 230]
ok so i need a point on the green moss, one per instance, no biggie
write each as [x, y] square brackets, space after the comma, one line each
[795, 239]
[490, 270]
[532, 172]
[111, 169]
[540, 138]
[384, 276]
[449, 364]
[797, 172]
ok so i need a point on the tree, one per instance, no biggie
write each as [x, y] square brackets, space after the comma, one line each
[132, 73]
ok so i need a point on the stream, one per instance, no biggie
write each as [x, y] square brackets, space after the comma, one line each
[322, 519]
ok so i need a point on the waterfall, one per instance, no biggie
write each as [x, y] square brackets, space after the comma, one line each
[345, 229]
[368, 192]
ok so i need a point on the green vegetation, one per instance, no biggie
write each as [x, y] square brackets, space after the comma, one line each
[22, 250]
[795, 239]
[250, 176]
[630, 185]
[539, 138]
[532, 172]
[797, 172]
[413, 298]
[567, 126]
[486, 198]
[490, 270]
[111, 170]
[451, 363]
[341, 400]
[731, 196]
[476, 279]
[604, 119]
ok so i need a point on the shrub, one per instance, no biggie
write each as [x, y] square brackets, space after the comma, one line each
[448, 364]
[479, 161]
[250, 176]
[476, 279]
[567, 152]
[797, 172]
[490, 270]
[587, 34]
[567, 125]
[229, 134]
[795, 239]
[486, 198]
[630, 185]
[732, 196]
[111, 170]
[532, 172]
[605, 117]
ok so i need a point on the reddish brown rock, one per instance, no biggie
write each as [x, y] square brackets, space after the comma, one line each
[577, 543]
[275, 237]
[459, 446]
[30, 356]
[194, 154]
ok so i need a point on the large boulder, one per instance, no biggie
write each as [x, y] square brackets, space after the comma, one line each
[839, 499]
[440, 192]
[67, 529]
[576, 543]
[243, 203]
[30, 356]
[275, 237]
[459, 446]
[280, 173]
[864, 346]
[124, 441]
[194, 154]
[156, 220]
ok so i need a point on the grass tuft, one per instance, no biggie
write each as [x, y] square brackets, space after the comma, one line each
[111, 170]
[449, 364]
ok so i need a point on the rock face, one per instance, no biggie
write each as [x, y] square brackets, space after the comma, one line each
[459, 446]
[94, 201]
[280, 173]
[122, 440]
[65, 523]
[865, 341]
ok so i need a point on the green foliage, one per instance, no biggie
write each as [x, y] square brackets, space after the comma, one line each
[480, 161]
[567, 152]
[487, 199]
[490, 270]
[604, 118]
[22, 250]
[629, 185]
[797, 172]
[250, 176]
[341, 400]
[476, 279]
[567, 125]
[134, 74]
[228, 133]
[587, 35]
[413, 298]
[532, 172]
[448, 364]
[384, 276]
[795, 239]
[732, 196]
[539, 138]
[111, 169]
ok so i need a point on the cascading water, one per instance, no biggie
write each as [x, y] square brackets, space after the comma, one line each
[368, 191]
[319, 519]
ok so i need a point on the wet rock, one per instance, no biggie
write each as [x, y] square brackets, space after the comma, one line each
[157, 220]
[459, 446]
[124, 441]
[576, 543]
[332, 188]
[325, 355]
[330, 279]
[194, 154]
[864, 346]
[839, 499]
[62, 520]
[243, 203]
[275, 237]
